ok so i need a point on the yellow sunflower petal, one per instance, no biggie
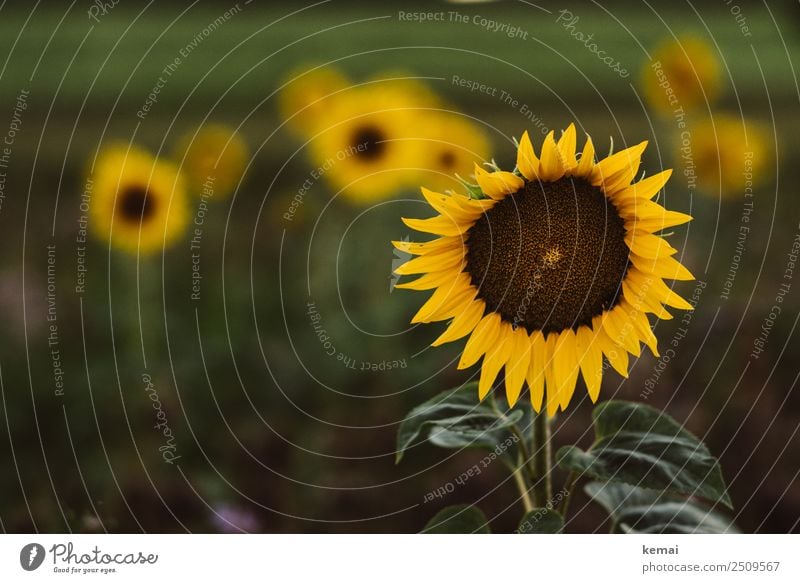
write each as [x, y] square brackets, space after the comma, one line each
[566, 147]
[429, 280]
[551, 168]
[590, 357]
[473, 205]
[536, 370]
[551, 385]
[616, 355]
[665, 267]
[481, 340]
[497, 185]
[440, 225]
[647, 245]
[527, 162]
[640, 299]
[671, 219]
[662, 292]
[565, 367]
[423, 248]
[444, 300]
[586, 163]
[494, 360]
[463, 322]
[619, 169]
[518, 364]
[646, 188]
[447, 259]
[642, 325]
[448, 206]
[620, 330]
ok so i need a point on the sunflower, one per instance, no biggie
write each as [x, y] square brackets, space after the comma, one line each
[730, 154]
[405, 82]
[139, 203]
[682, 73]
[451, 146]
[305, 95]
[549, 268]
[214, 154]
[368, 146]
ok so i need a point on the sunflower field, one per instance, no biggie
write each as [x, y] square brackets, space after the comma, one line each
[395, 267]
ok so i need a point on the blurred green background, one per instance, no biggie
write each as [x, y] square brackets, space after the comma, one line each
[272, 433]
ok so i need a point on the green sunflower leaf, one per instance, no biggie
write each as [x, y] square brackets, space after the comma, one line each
[638, 445]
[636, 510]
[541, 521]
[456, 419]
[460, 519]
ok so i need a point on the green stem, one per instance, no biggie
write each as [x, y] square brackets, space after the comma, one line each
[524, 452]
[542, 487]
[569, 486]
[523, 459]
[522, 486]
[521, 442]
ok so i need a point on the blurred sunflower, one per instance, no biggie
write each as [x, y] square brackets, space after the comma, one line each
[139, 203]
[557, 266]
[688, 67]
[216, 153]
[730, 154]
[451, 145]
[303, 101]
[368, 146]
[406, 83]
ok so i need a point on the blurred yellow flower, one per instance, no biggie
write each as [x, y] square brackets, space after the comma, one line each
[682, 73]
[368, 146]
[730, 154]
[217, 155]
[406, 83]
[139, 203]
[304, 99]
[451, 145]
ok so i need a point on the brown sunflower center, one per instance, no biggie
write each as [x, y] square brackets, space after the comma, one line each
[447, 159]
[369, 142]
[136, 203]
[549, 257]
